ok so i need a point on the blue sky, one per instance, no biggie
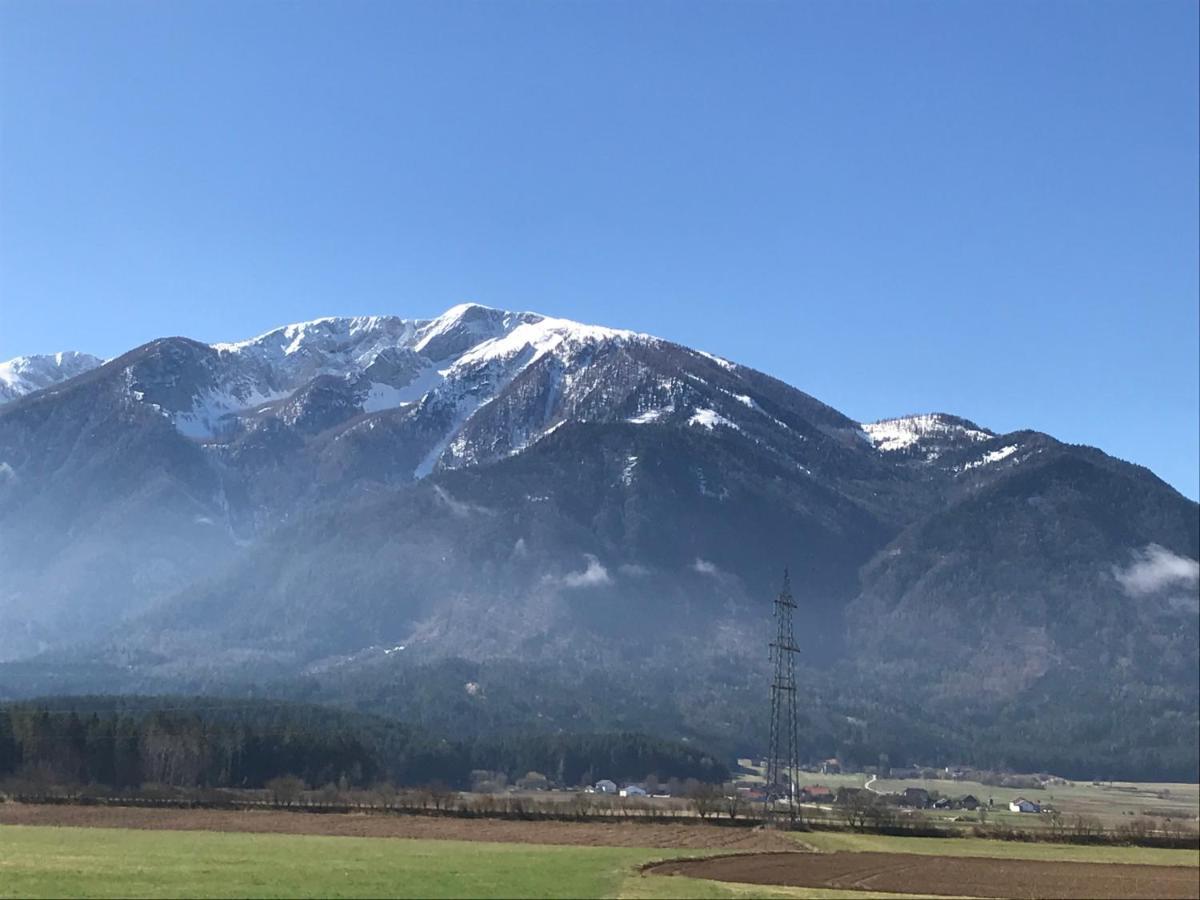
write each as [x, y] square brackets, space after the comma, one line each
[982, 208]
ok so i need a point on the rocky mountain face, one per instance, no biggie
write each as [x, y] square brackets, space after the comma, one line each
[587, 525]
[27, 374]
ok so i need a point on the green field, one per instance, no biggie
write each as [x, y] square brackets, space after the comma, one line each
[103, 862]
[111, 862]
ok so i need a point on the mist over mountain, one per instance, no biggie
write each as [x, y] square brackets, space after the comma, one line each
[494, 520]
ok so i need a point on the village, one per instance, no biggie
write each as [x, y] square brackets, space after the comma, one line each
[953, 793]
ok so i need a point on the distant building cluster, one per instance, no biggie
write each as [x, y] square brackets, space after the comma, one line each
[607, 786]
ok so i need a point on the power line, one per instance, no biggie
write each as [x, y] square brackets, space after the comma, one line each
[783, 764]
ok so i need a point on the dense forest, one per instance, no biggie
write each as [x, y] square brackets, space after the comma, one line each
[1069, 723]
[212, 743]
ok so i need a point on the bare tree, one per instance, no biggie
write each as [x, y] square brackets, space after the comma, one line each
[735, 804]
[286, 789]
[706, 799]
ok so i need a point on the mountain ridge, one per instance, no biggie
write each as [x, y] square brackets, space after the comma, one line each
[352, 501]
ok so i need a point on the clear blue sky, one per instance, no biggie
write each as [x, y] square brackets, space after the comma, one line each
[983, 208]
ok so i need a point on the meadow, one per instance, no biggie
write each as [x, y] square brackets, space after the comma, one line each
[42, 861]
[108, 862]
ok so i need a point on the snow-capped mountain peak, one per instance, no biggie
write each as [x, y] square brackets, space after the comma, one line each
[26, 374]
[440, 371]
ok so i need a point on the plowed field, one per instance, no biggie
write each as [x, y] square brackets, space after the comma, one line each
[947, 875]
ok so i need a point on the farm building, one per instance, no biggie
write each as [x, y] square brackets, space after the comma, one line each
[970, 801]
[1021, 805]
[604, 786]
[632, 790]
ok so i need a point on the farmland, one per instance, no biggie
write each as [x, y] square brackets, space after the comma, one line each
[109, 852]
[1111, 803]
[80, 862]
[972, 876]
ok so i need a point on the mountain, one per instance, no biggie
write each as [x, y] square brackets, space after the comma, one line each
[588, 525]
[27, 374]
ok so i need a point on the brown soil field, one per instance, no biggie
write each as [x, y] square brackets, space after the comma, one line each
[958, 876]
[682, 836]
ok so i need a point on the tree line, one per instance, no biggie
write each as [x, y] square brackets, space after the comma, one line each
[207, 743]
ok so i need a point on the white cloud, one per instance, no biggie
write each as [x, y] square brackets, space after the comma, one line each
[594, 575]
[7, 473]
[704, 567]
[1155, 568]
[457, 507]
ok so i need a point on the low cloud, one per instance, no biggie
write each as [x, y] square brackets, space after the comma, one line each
[1155, 568]
[593, 576]
[457, 507]
[7, 473]
[704, 567]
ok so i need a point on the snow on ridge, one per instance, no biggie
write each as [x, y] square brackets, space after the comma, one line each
[290, 338]
[890, 435]
[720, 361]
[992, 457]
[543, 335]
[473, 319]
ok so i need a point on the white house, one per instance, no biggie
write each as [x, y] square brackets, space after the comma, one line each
[1021, 805]
[632, 790]
[604, 786]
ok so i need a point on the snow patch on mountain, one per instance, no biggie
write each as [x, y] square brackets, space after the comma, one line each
[892, 435]
[382, 396]
[710, 418]
[627, 473]
[212, 413]
[649, 416]
[992, 457]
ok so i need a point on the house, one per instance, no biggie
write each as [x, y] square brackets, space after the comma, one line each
[1021, 805]
[604, 786]
[970, 801]
[632, 790]
[915, 797]
[816, 793]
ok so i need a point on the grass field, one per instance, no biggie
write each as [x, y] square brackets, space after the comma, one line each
[109, 862]
[40, 861]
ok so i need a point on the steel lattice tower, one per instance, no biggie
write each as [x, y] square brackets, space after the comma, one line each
[783, 753]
